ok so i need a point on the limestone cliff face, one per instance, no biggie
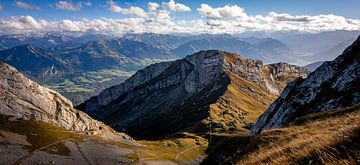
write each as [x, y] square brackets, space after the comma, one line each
[112, 93]
[282, 74]
[334, 84]
[21, 98]
[171, 96]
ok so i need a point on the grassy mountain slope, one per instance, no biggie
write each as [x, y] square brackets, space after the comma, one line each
[29, 142]
[39, 126]
[320, 138]
[207, 92]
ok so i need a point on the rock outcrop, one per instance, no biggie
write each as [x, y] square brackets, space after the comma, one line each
[213, 89]
[23, 99]
[334, 84]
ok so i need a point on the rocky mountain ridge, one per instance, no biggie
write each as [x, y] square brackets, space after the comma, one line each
[22, 99]
[332, 85]
[182, 93]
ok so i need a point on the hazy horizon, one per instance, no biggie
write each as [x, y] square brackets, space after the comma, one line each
[177, 17]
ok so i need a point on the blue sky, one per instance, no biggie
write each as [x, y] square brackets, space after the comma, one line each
[346, 8]
[178, 16]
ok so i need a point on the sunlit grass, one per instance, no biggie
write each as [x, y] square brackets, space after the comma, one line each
[320, 138]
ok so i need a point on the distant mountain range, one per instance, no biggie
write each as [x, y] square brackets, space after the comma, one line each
[330, 53]
[315, 42]
[267, 50]
[47, 40]
[314, 66]
[81, 71]
[324, 46]
[36, 63]
[161, 41]
[80, 66]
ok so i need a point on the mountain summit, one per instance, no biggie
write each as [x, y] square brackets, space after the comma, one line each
[334, 84]
[23, 99]
[190, 95]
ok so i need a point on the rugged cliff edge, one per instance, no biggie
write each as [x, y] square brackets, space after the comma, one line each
[334, 84]
[23, 99]
[208, 91]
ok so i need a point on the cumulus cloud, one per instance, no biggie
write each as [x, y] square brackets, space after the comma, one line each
[159, 19]
[163, 17]
[225, 12]
[153, 9]
[173, 6]
[156, 14]
[160, 24]
[131, 10]
[26, 6]
[288, 18]
[153, 6]
[68, 5]
[28, 24]
[234, 19]
[23, 23]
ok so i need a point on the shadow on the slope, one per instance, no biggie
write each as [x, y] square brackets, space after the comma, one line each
[172, 110]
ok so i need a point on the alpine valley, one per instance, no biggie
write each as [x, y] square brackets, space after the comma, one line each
[148, 98]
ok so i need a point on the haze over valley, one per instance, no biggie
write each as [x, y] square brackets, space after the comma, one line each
[179, 82]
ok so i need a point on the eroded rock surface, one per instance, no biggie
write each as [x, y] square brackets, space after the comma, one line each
[334, 84]
[21, 98]
[166, 97]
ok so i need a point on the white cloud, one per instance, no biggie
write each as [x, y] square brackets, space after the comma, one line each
[234, 19]
[154, 14]
[163, 17]
[21, 24]
[288, 18]
[136, 11]
[159, 19]
[153, 6]
[65, 5]
[68, 5]
[69, 25]
[26, 6]
[176, 7]
[131, 10]
[226, 12]
[182, 8]
[27, 24]
[308, 23]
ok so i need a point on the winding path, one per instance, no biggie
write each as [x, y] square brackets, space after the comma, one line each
[18, 161]
[180, 153]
